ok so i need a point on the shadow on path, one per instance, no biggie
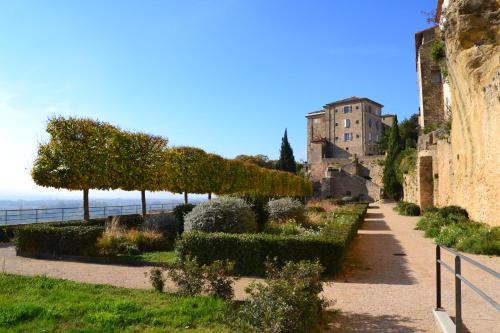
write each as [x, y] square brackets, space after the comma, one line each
[376, 258]
[363, 322]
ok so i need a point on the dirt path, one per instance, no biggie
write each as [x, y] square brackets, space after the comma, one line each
[389, 281]
[388, 284]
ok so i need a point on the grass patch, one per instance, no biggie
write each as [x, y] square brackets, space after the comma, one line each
[41, 304]
[167, 257]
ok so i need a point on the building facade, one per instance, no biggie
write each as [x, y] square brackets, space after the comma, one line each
[342, 133]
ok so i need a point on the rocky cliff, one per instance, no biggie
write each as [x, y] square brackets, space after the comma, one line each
[472, 38]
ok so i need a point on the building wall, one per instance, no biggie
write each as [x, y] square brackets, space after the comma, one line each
[430, 90]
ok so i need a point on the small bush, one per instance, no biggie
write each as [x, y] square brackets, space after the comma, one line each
[455, 212]
[315, 209]
[288, 301]
[180, 212]
[287, 228]
[222, 214]
[218, 282]
[126, 221]
[258, 203]
[407, 208]
[166, 224]
[281, 210]
[187, 274]
[157, 279]
[47, 239]
[113, 242]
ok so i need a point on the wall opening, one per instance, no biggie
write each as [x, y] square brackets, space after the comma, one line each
[426, 182]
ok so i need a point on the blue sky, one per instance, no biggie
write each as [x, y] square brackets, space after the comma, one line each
[227, 76]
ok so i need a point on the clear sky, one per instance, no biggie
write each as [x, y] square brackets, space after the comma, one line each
[227, 76]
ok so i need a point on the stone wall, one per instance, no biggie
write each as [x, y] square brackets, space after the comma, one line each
[466, 165]
[345, 184]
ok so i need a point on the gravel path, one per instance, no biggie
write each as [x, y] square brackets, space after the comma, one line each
[388, 284]
[389, 281]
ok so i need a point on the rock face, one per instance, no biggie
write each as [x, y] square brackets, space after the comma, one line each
[472, 37]
[466, 165]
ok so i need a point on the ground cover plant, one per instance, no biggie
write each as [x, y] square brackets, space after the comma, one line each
[407, 208]
[451, 227]
[41, 304]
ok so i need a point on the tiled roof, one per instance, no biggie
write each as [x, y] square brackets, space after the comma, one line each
[352, 99]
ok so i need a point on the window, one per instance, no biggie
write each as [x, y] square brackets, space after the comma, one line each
[336, 124]
[347, 192]
[357, 121]
[377, 124]
[336, 138]
[435, 76]
[336, 110]
[369, 109]
[347, 123]
[347, 109]
[347, 148]
[370, 123]
[370, 137]
[347, 136]
[357, 107]
[357, 136]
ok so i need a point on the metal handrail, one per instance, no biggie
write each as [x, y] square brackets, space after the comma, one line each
[459, 278]
[64, 214]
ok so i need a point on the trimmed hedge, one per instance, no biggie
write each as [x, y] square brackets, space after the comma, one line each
[250, 251]
[53, 240]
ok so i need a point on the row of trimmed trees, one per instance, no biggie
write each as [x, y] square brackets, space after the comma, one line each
[84, 154]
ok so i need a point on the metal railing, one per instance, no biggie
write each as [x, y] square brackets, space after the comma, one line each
[459, 278]
[64, 214]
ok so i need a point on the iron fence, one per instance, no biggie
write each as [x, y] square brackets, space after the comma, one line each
[459, 278]
[64, 214]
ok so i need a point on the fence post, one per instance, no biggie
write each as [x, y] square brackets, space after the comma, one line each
[458, 295]
[438, 277]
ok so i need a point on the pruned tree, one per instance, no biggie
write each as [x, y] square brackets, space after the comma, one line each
[76, 157]
[141, 160]
[185, 171]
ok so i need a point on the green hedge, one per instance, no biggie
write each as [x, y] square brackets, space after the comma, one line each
[57, 240]
[250, 251]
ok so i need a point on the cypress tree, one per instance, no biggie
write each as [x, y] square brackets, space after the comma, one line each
[286, 161]
[392, 186]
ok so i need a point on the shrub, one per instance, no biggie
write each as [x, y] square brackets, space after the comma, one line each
[258, 203]
[288, 301]
[47, 239]
[187, 274]
[126, 221]
[6, 234]
[407, 208]
[166, 224]
[315, 209]
[119, 242]
[156, 278]
[180, 211]
[218, 282]
[222, 214]
[249, 251]
[288, 228]
[281, 210]
[454, 212]
[481, 240]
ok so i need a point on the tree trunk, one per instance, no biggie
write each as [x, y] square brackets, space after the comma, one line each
[143, 201]
[86, 212]
[185, 198]
[210, 196]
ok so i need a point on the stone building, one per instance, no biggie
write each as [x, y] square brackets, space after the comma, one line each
[458, 162]
[430, 81]
[344, 133]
